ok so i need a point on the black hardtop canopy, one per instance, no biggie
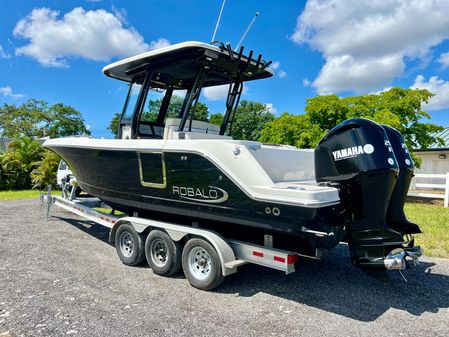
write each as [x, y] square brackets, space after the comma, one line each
[177, 66]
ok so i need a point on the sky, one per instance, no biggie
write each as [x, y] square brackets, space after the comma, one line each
[55, 50]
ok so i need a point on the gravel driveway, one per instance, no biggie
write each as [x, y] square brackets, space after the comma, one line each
[61, 277]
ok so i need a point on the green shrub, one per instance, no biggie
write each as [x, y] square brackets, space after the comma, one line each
[45, 172]
[18, 162]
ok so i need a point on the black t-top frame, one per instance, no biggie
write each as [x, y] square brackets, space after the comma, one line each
[190, 69]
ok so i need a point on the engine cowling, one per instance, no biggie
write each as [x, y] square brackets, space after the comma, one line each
[395, 217]
[357, 157]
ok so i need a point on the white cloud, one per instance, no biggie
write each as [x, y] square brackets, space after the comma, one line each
[377, 92]
[365, 43]
[275, 65]
[121, 14]
[3, 54]
[219, 92]
[7, 92]
[160, 43]
[94, 35]
[271, 108]
[343, 73]
[436, 86]
[216, 93]
[444, 60]
[306, 82]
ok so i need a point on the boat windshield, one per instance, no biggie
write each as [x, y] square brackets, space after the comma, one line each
[154, 101]
[131, 100]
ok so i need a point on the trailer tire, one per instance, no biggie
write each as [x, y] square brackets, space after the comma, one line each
[201, 264]
[162, 253]
[129, 245]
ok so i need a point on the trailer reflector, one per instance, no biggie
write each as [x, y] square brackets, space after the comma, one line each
[291, 259]
[279, 259]
[256, 253]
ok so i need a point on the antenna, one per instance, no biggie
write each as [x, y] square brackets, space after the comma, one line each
[247, 30]
[218, 21]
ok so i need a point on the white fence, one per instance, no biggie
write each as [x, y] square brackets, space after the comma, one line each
[444, 185]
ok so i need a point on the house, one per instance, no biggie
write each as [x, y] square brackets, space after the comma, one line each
[4, 144]
[435, 160]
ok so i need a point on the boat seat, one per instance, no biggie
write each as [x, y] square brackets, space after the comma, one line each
[306, 193]
[294, 185]
[151, 130]
[198, 127]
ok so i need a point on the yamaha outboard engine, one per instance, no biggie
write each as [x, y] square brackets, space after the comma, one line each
[396, 218]
[356, 156]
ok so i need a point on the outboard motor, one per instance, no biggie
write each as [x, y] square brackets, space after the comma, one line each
[357, 158]
[396, 218]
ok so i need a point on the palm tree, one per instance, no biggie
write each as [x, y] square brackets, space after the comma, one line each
[18, 162]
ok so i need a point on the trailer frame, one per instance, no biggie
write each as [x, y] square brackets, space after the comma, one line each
[231, 253]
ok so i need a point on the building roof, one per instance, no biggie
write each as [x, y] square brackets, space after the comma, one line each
[444, 135]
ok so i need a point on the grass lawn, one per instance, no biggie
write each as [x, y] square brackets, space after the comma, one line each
[434, 222]
[16, 195]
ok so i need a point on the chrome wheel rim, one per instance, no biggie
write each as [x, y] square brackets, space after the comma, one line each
[159, 252]
[127, 244]
[200, 263]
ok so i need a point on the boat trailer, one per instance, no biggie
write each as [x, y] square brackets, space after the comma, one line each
[205, 256]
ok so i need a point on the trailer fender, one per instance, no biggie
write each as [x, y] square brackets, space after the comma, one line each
[139, 228]
[224, 250]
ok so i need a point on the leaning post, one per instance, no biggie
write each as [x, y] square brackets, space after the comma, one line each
[446, 191]
[49, 201]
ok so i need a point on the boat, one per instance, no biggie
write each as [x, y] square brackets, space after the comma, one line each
[351, 188]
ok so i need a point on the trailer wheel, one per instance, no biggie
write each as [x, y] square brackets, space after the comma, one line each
[201, 264]
[129, 245]
[162, 253]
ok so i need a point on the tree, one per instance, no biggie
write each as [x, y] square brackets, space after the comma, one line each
[250, 119]
[399, 108]
[64, 121]
[18, 162]
[174, 108]
[46, 169]
[37, 119]
[26, 119]
[296, 130]
[216, 119]
[115, 124]
[3, 182]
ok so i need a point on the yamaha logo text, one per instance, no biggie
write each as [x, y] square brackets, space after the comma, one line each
[352, 152]
[211, 194]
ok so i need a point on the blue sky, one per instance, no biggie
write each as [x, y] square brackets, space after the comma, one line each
[55, 50]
